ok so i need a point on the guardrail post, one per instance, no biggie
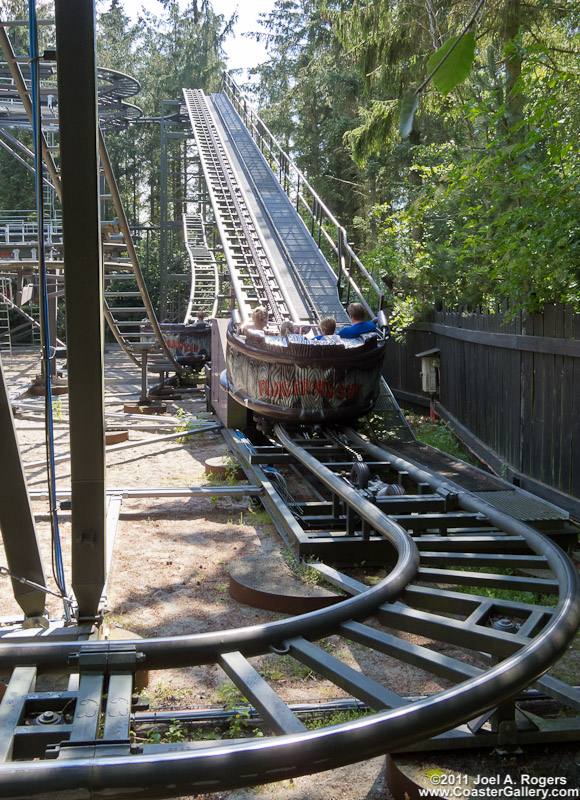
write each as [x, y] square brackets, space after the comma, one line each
[340, 266]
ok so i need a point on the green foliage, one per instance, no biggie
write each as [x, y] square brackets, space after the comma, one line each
[179, 47]
[314, 722]
[370, 136]
[302, 569]
[438, 434]
[309, 93]
[461, 217]
[452, 63]
[497, 593]
[238, 724]
[183, 423]
[230, 696]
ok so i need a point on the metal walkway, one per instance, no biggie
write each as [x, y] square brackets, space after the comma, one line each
[287, 234]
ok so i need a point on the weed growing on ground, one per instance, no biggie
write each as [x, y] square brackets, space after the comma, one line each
[57, 409]
[259, 516]
[230, 696]
[440, 435]
[162, 695]
[314, 722]
[183, 423]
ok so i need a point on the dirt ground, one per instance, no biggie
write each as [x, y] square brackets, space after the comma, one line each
[170, 568]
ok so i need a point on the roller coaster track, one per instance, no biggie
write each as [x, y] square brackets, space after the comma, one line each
[254, 277]
[458, 572]
[426, 592]
[124, 320]
[203, 296]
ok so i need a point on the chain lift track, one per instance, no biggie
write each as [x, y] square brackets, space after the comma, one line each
[254, 277]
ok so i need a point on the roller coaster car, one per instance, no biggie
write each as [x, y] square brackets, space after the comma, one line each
[295, 379]
[190, 345]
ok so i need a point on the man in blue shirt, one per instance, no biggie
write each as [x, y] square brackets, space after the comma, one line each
[356, 312]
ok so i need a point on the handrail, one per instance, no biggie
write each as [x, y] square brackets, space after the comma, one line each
[297, 187]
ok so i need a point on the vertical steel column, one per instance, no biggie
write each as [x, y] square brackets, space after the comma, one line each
[78, 125]
[52, 318]
[16, 519]
[163, 212]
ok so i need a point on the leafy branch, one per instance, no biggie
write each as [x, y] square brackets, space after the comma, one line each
[445, 71]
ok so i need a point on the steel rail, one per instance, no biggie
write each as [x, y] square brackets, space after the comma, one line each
[18, 78]
[181, 651]
[216, 193]
[20, 84]
[238, 211]
[315, 315]
[225, 190]
[202, 266]
[155, 772]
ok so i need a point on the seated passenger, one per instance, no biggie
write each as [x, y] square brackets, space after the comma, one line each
[259, 320]
[200, 320]
[327, 326]
[356, 312]
[286, 328]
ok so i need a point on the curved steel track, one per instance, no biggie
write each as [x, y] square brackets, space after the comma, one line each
[77, 743]
[414, 597]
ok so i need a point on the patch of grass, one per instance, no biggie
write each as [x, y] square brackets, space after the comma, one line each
[58, 409]
[496, 593]
[162, 694]
[230, 696]
[439, 434]
[275, 667]
[313, 722]
[259, 516]
[302, 569]
[183, 423]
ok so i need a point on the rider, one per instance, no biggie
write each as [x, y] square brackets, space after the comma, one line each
[356, 312]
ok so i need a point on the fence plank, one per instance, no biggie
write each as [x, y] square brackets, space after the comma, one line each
[567, 412]
[513, 385]
[537, 432]
[574, 422]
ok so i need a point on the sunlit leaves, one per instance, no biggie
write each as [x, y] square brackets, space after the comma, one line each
[452, 63]
[376, 128]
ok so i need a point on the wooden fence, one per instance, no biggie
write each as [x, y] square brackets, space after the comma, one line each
[512, 387]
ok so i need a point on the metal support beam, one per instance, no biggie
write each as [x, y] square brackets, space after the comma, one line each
[78, 125]
[16, 519]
